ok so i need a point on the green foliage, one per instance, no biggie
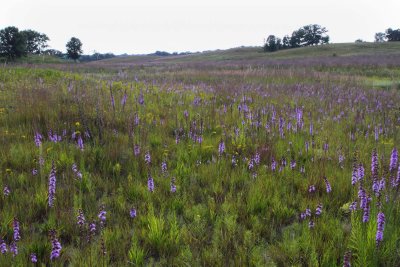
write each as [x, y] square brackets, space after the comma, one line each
[74, 48]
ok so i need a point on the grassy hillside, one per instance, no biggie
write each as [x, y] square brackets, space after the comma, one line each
[256, 53]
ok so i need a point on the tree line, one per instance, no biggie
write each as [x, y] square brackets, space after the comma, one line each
[16, 44]
[308, 35]
[389, 35]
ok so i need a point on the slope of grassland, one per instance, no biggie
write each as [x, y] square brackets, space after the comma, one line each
[257, 54]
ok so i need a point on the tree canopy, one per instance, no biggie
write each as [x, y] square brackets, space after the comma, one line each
[74, 48]
[12, 43]
[308, 35]
[36, 42]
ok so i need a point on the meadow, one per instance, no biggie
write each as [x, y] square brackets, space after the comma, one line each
[230, 158]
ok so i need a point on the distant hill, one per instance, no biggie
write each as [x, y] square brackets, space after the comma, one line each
[257, 54]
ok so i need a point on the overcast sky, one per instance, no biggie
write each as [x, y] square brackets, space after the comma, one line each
[144, 26]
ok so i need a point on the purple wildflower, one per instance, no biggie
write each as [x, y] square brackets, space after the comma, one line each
[354, 175]
[234, 161]
[132, 213]
[173, 186]
[273, 165]
[221, 147]
[55, 246]
[292, 164]
[164, 167]
[102, 215]
[393, 160]
[257, 158]
[34, 172]
[374, 165]
[76, 171]
[92, 228]
[147, 158]
[136, 150]
[150, 183]
[80, 143]
[14, 248]
[311, 189]
[80, 218]
[38, 139]
[52, 185]
[302, 216]
[318, 210]
[311, 224]
[6, 191]
[308, 212]
[33, 258]
[328, 185]
[380, 227]
[347, 259]
[353, 206]
[3, 246]
[361, 172]
[16, 235]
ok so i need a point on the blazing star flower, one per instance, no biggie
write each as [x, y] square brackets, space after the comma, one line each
[318, 211]
[55, 246]
[347, 258]
[34, 172]
[14, 248]
[76, 171]
[354, 175]
[311, 224]
[150, 183]
[6, 191]
[16, 235]
[164, 167]
[361, 172]
[380, 228]
[273, 165]
[33, 258]
[102, 216]
[173, 186]
[147, 158]
[80, 218]
[3, 246]
[221, 147]
[292, 164]
[52, 186]
[308, 212]
[38, 139]
[328, 185]
[393, 160]
[374, 164]
[257, 158]
[80, 143]
[132, 213]
[311, 189]
[353, 206]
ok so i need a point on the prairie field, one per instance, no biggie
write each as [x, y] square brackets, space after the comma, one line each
[225, 158]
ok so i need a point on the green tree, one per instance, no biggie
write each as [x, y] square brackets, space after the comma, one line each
[393, 35]
[315, 34]
[272, 44]
[380, 37]
[74, 48]
[12, 43]
[35, 42]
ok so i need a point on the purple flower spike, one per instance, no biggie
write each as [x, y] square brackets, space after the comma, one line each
[328, 185]
[6, 191]
[318, 211]
[14, 248]
[3, 246]
[33, 258]
[380, 228]
[55, 246]
[150, 183]
[132, 213]
[16, 235]
[221, 148]
[393, 160]
[52, 185]
[347, 259]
